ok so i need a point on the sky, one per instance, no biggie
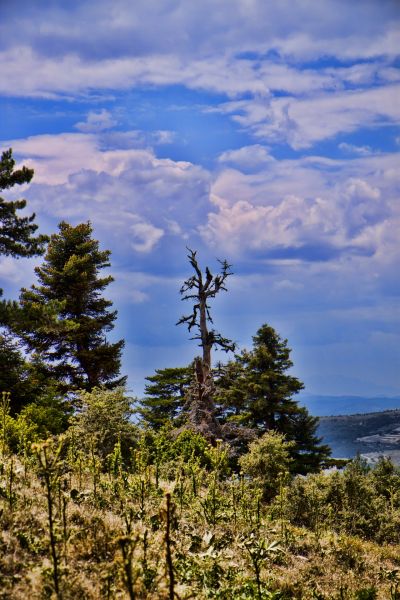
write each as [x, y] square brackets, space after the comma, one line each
[262, 132]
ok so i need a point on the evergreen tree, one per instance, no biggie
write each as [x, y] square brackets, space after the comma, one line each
[256, 390]
[16, 233]
[14, 374]
[166, 396]
[76, 350]
[27, 381]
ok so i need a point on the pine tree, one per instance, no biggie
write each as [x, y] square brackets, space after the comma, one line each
[255, 390]
[166, 396]
[14, 374]
[27, 381]
[76, 350]
[16, 233]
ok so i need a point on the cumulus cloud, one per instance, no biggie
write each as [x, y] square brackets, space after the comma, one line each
[97, 121]
[261, 213]
[133, 198]
[145, 236]
[247, 157]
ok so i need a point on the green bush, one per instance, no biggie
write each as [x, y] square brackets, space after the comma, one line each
[103, 418]
[268, 460]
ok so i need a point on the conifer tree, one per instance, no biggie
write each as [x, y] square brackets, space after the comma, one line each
[75, 349]
[166, 396]
[255, 390]
[14, 373]
[16, 233]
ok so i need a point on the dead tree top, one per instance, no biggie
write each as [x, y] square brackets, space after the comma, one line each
[204, 287]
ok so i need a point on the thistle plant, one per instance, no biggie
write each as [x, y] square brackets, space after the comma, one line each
[48, 457]
[4, 414]
[259, 550]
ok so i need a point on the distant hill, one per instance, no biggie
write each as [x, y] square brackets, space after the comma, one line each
[370, 434]
[322, 406]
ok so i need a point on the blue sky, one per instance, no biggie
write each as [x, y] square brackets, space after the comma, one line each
[266, 133]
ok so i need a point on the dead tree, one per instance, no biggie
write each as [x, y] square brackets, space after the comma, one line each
[200, 288]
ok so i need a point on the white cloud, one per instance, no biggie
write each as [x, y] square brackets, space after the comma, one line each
[262, 213]
[239, 48]
[253, 53]
[352, 149]
[303, 121]
[247, 157]
[133, 198]
[12, 270]
[145, 236]
[95, 29]
[96, 121]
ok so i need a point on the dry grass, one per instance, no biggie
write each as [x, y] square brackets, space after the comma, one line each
[119, 534]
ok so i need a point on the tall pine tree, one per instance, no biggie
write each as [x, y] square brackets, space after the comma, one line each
[76, 350]
[255, 390]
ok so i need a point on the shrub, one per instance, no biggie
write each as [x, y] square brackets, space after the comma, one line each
[103, 419]
[268, 460]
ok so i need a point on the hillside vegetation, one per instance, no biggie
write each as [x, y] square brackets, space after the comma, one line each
[107, 511]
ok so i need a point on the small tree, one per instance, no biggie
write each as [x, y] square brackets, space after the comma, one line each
[268, 460]
[200, 288]
[26, 381]
[165, 396]
[75, 348]
[103, 419]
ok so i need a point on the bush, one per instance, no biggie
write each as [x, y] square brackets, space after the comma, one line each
[268, 460]
[103, 419]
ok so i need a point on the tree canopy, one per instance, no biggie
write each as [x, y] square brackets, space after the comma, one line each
[76, 348]
[256, 390]
[16, 233]
[166, 396]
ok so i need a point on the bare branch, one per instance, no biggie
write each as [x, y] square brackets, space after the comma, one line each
[207, 287]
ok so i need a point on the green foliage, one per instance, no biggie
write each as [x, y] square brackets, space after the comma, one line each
[47, 416]
[76, 526]
[165, 396]
[268, 460]
[103, 418]
[4, 420]
[25, 380]
[255, 390]
[16, 233]
[189, 447]
[75, 348]
[357, 500]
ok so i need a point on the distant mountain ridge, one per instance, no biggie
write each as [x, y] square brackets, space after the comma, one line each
[324, 406]
[369, 434]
